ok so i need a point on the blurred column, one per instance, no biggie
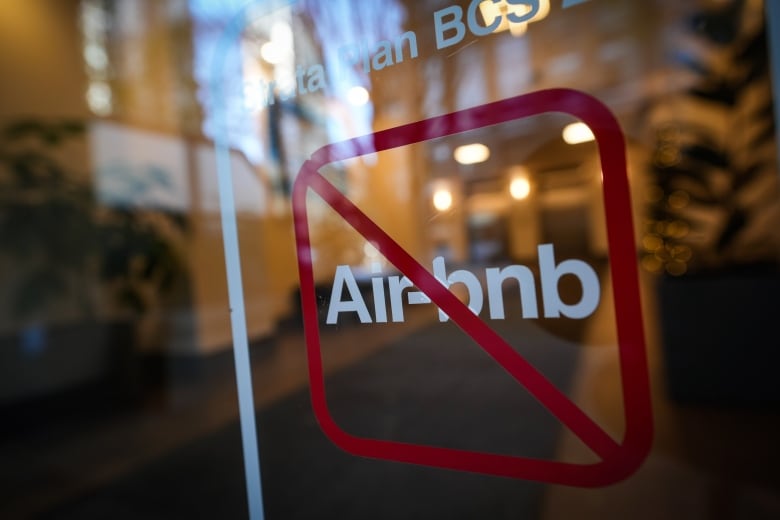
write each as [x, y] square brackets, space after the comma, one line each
[523, 221]
[597, 220]
[448, 219]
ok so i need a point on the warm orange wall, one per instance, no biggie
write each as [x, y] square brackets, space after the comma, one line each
[40, 59]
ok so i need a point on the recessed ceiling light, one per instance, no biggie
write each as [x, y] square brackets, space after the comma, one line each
[471, 153]
[519, 188]
[576, 133]
[442, 199]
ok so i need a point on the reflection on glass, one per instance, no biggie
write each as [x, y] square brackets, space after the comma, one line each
[442, 199]
[576, 133]
[522, 13]
[117, 389]
[471, 153]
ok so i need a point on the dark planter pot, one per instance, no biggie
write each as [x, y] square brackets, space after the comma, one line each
[56, 373]
[48, 359]
[721, 341]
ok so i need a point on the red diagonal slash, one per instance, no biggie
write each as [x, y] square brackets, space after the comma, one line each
[618, 459]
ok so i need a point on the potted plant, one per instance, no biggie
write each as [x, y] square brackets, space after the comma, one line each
[713, 226]
[79, 275]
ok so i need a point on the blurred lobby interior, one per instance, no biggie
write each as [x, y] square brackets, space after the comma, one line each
[121, 122]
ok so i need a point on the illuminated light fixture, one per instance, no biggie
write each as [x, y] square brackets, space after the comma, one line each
[95, 56]
[99, 98]
[491, 11]
[519, 188]
[471, 153]
[282, 34]
[279, 48]
[442, 199]
[370, 250]
[576, 133]
[272, 53]
[357, 96]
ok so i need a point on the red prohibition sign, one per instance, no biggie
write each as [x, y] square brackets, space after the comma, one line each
[618, 459]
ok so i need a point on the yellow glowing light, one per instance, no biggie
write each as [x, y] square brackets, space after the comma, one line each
[678, 229]
[357, 96]
[576, 133]
[652, 264]
[471, 153]
[676, 268]
[681, 253]
[442, 199]
[679, 199]
[519, 188]
[492, 10]
[652, 242]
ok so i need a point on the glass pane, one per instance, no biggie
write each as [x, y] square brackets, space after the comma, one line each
[389, 259]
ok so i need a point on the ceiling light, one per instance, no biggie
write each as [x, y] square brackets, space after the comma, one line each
[282, 34]
[272, 53]
[357, 96]
[519, 188]
[442, 199]
[576, 133]
[471, 153]
[492, 9]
